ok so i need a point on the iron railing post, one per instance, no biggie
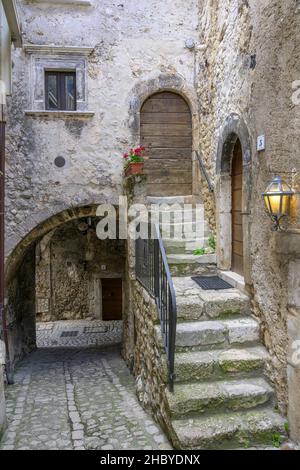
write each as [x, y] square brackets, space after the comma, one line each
[156, 268]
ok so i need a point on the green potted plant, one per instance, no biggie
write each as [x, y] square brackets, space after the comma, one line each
[134, 161]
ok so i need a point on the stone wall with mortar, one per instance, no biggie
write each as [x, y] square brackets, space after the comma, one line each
[2, 397]
[149, 360]
[134, 43]
[248, 65]
[70, 266]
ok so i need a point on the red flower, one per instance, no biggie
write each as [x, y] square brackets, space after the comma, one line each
[125, 155]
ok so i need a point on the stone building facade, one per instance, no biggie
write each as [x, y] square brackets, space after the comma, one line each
[236, 65]
[247, 89]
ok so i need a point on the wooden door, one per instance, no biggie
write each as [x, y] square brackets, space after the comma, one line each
[111, 299]
[166, 132]
[237, 264]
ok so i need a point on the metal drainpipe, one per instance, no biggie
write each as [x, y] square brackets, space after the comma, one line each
[8, 368]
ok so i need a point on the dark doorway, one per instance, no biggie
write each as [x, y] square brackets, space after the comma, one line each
[112, 304]
[237, 263]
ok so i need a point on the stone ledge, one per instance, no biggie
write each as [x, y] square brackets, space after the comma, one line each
[68, 2]
[54, 49]
[60, 114]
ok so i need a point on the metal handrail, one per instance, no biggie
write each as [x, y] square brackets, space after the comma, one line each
[152, 271]
[204, 172]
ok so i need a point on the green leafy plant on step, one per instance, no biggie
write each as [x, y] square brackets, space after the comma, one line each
[276, 440]
[199, 252]
[210, 248]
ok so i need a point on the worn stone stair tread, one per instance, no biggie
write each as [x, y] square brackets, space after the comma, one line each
[194, 303]
[228, 430]
[190, 259]
[212, 332]
[203, 397]
[186, 199]
[198, 365]
[185, 284]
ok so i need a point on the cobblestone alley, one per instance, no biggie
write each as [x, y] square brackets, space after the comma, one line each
[77, 399]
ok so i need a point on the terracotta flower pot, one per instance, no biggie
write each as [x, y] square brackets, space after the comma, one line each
[135, 168]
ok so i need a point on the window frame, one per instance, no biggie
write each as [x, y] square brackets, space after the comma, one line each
[61, 95]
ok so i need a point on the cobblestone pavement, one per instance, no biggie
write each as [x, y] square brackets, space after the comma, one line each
[77, 399]
[78, 333]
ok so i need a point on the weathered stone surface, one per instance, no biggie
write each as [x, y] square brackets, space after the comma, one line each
[228, 430]
[198, 365]
[200, 334]
[203, 397]
[2, 397]
[72, 263]
[242, 330]
[65, 399]
[223, 333]
[236, 360]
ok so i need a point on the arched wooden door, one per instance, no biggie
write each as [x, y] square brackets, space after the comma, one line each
[166, 132]
[237, 264]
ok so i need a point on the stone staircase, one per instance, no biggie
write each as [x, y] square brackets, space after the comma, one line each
[222, 397]
[179, 236]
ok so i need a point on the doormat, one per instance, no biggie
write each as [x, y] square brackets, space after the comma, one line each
[211, 283]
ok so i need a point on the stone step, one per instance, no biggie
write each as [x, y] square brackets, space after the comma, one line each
[186, 246]
[189, 199]
[228, 431]
[194, 303]
[222, 333]
[205, 397]
[185, 264]
[218, 363]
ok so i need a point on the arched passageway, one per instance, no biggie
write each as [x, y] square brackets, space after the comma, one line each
[71, 397]
[66, 281]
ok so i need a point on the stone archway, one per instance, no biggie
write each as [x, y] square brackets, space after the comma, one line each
[173, 83]
[234, 130]
[21, 280]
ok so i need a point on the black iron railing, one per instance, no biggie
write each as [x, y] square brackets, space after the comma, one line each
[204, 172]
[152, 271]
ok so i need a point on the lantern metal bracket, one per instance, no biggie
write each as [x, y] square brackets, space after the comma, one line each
[276, 223]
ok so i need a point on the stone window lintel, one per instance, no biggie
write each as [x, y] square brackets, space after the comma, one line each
[47, 58]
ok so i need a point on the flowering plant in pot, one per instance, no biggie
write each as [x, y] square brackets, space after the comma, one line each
[134, 161]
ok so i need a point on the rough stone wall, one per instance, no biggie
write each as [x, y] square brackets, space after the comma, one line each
[69, 263]
[149, 360]
[248, 66]
[21, 309]
[2, 397]
[134, 41]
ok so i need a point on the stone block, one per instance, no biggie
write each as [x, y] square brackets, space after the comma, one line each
[294, 400]
[294, 283]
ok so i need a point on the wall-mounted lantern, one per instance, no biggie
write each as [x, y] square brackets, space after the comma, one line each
[278, 200]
